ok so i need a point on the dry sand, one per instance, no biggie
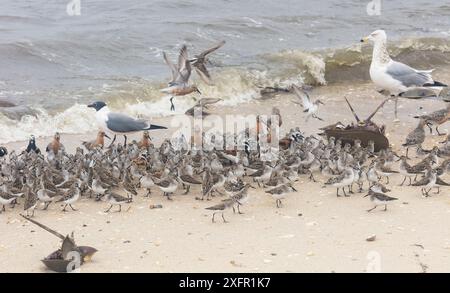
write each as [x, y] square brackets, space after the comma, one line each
[314, 232]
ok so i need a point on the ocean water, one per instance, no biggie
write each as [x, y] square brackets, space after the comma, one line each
[52, 64]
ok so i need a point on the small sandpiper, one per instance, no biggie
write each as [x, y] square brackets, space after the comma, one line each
[225, 204]
[341, 181]
[437, 118]
[407, 170]
[427, 182]
[415, 137]
[115, 199]
[241, 197]
[383, 170]
[70, 197]
[31, 200]
[168, 185]
[280, 192]
[378, 199]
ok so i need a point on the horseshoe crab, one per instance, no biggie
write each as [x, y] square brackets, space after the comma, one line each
[70, 256]
[364, 130]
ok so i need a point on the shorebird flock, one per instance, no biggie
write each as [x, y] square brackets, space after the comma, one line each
[118, 173]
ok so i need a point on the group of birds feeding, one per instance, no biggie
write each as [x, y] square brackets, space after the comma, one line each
[100, 173]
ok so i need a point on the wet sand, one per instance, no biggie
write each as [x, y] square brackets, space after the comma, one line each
[314, 232]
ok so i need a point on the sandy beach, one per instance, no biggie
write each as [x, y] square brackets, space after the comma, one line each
[313, 232]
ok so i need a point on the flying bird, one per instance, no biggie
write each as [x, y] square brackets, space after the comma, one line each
[310, 107]
[199, 62]
[179, 84]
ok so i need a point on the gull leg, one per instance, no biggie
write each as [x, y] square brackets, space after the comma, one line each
[72, 207]
[107, 211]
[213, 217]
[125, 143]
[112, 142]
[396, 107]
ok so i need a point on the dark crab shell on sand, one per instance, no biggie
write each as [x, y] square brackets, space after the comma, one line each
[364, 135]
[56, 263]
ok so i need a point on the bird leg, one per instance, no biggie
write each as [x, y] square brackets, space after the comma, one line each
[343, 189]
[239, 211]
[385, 207]
[372, 209]
[213, 217]
[107, 211]
[404, 179]
[46, 205]
[410, 181]
[437, 130]
[223, 218]
[387, 179]
[429, 127]
[72, 207]
[187, 190]
[396, 107]
[112, 142]
[64, 209]
[172, 106]
[120, 208]
[337, 192]
[125, 143]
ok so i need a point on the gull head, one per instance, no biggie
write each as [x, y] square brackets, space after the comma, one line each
[375, 37]
[97, 105]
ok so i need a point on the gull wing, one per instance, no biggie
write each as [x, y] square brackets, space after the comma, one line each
[408, 76]
[118, 122]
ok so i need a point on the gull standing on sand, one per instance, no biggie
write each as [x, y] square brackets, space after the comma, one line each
[392, 76]
[119, 123]
[311, 108]
[179, 85]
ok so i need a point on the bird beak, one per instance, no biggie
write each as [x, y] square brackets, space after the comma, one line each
[293, 188]
[365, 195]
[320, 102]
[91, 105]
[364, 40]
[198, 91]
[107, 136]
[152, 127]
